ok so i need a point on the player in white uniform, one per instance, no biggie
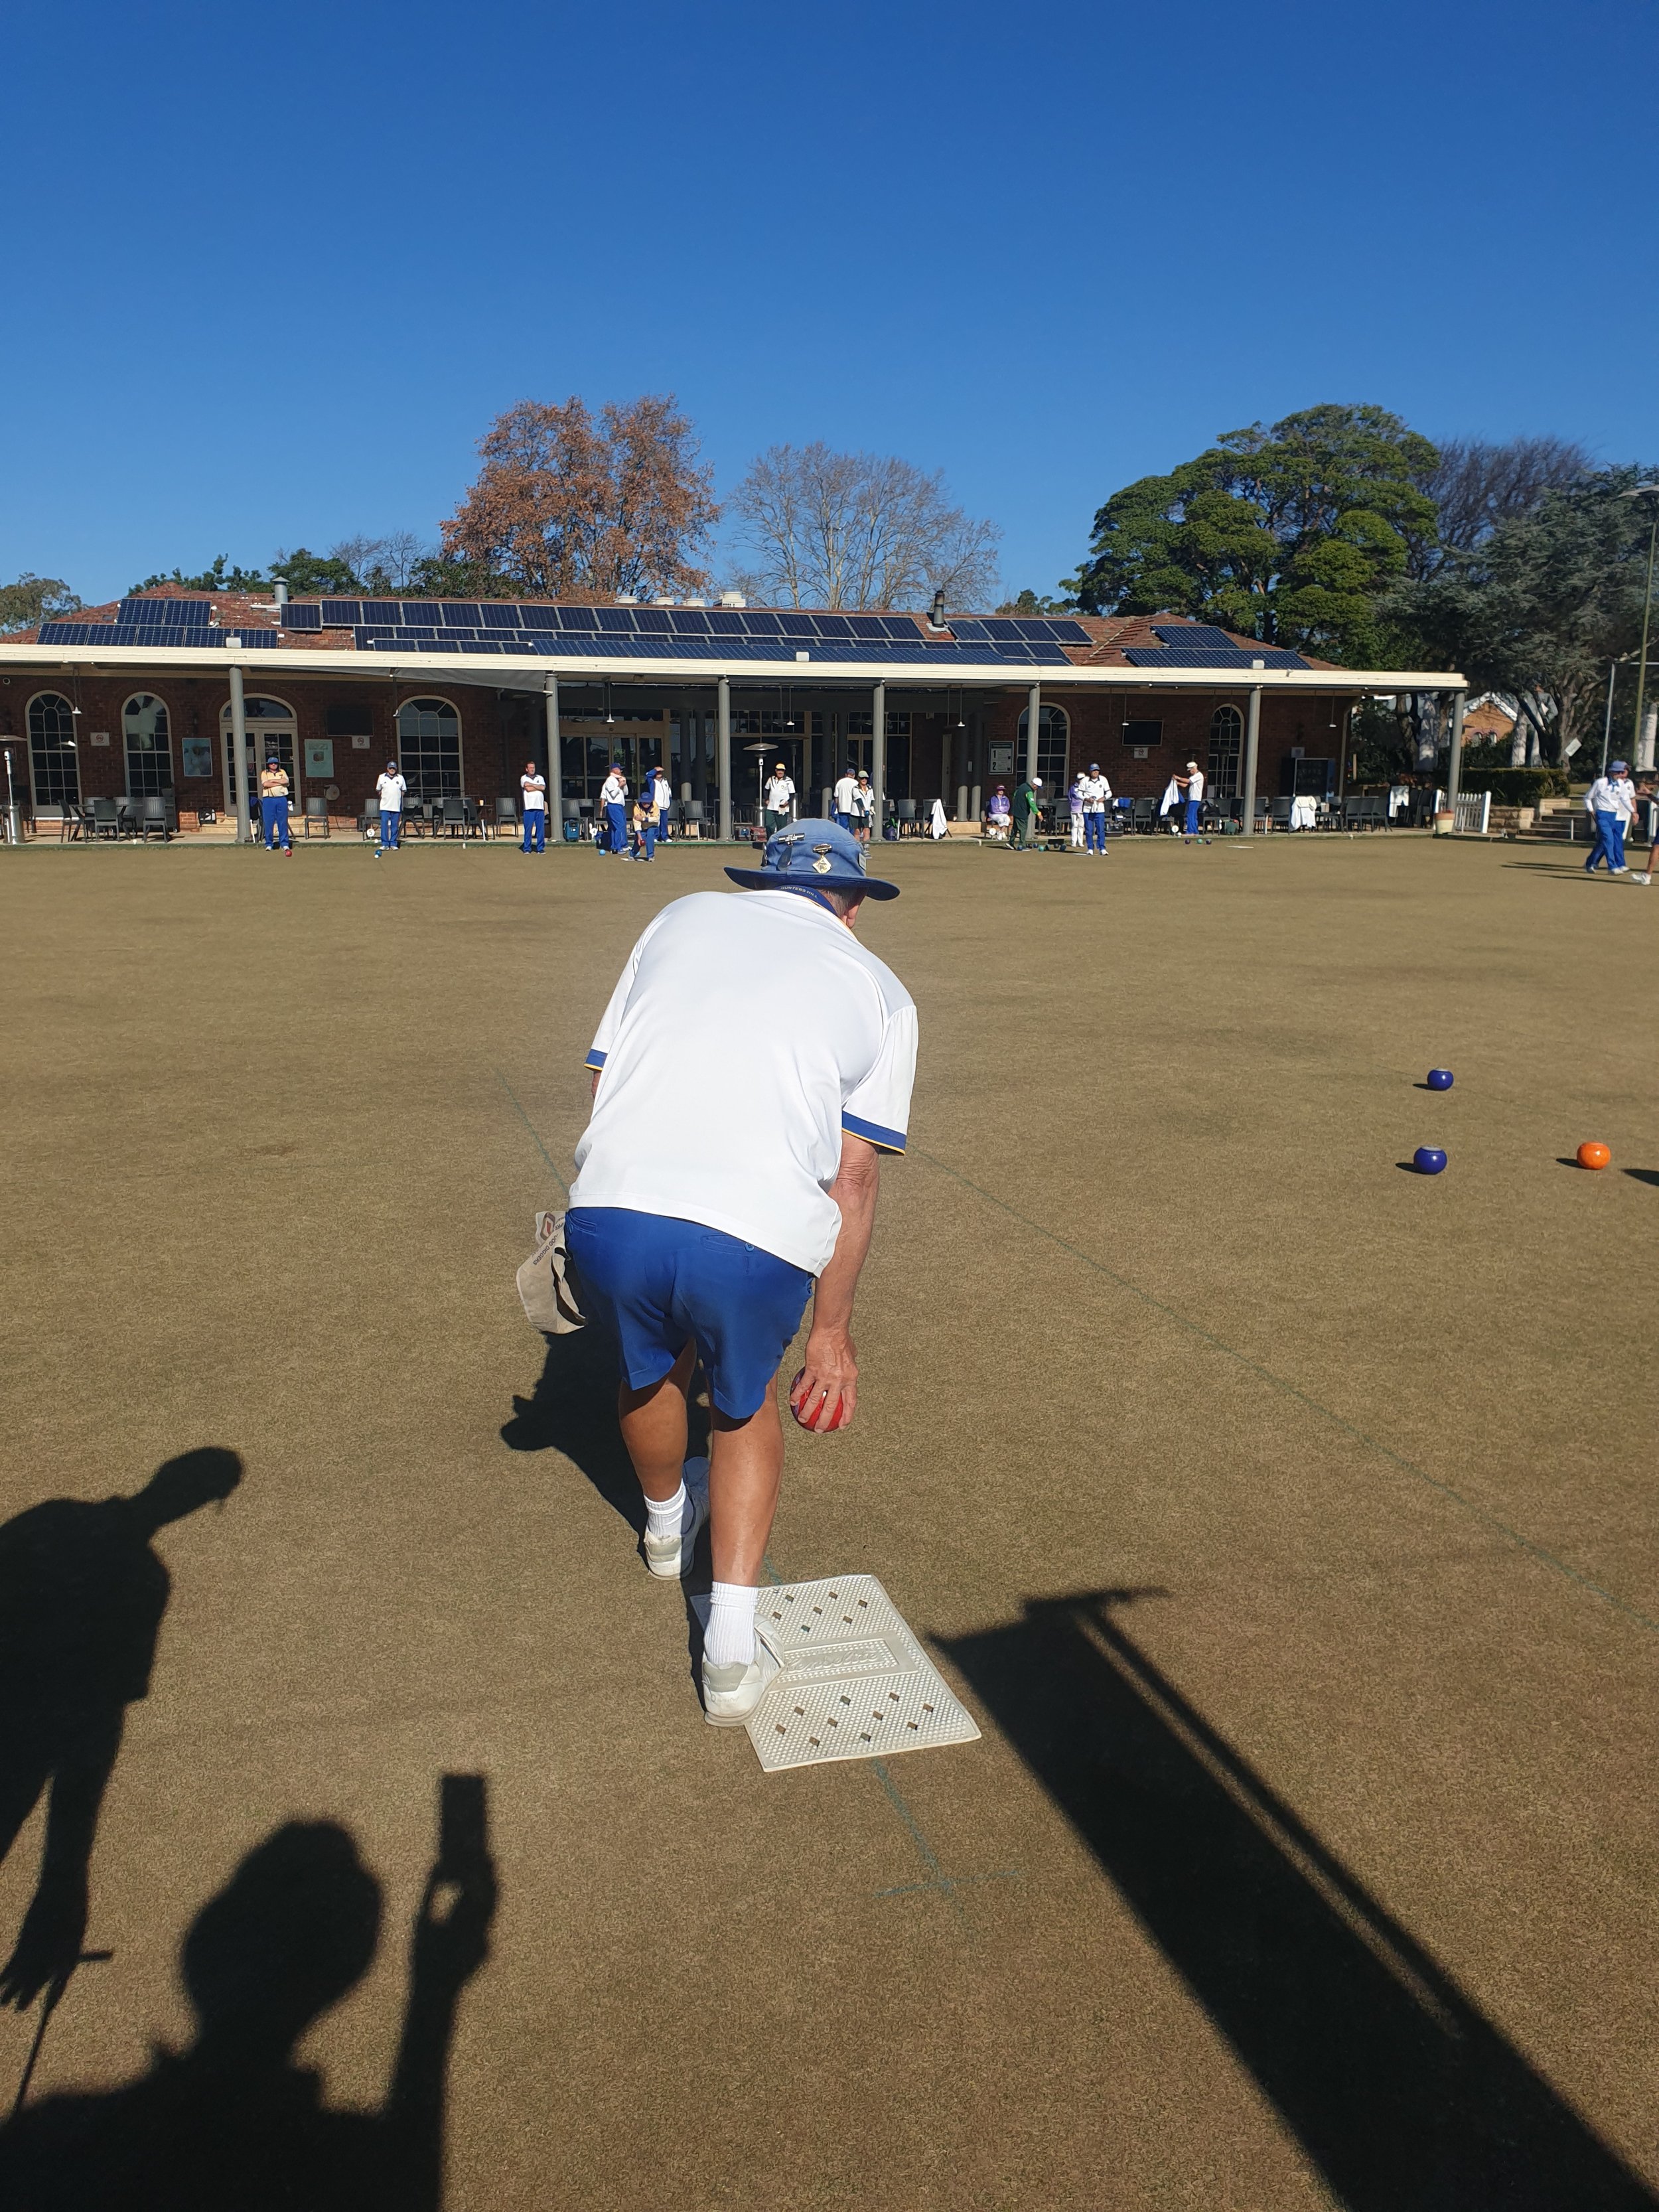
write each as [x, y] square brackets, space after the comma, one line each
[1192, 786]
[1096, 794]
[533, 785]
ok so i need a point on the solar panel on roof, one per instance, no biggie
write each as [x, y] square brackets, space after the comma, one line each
[652, 622]
[342, 614]
[688, 621]
[725, 621]
[1195, 634]
[417, 611]
[617, 620]
[294, 617]
[578, 618]
[533, 617]
[1069, 633]
[498, 615]
[1192, 657]
[801, 626]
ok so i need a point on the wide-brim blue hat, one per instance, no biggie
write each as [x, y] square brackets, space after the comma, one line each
[813, 856]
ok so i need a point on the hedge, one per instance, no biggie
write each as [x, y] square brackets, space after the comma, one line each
[1517, 787]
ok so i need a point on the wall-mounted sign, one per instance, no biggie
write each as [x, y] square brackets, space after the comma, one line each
[97, 736]
[319, 757]
[361, 744]
[1002, 760]
[197, 757]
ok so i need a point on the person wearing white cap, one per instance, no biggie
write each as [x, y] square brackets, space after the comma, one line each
[1192, 787]
[1610, 802]
[720, 1186]
[1096, 794]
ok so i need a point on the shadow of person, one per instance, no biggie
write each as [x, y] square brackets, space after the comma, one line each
[1400, 2090]
[81, 1597]
[232, 2122]
[572, 1410]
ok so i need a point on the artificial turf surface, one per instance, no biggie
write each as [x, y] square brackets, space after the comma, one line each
[1286, 1518]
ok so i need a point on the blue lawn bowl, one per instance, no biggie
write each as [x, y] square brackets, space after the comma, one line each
[1440, 1079]
[1429, 1159]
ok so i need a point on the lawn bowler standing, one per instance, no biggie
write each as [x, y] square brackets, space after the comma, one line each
[613, 805]
[780, 806]
[533, 784]
[846, 792]
[1610, 802]
[864, 806]
[1095, 793]
[1192, 786]
[714, 1187]
[273, 805]
[390, 791]
[1074, 801]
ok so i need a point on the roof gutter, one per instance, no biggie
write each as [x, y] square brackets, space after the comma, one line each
[521, 673]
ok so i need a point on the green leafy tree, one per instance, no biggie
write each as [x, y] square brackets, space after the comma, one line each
[1029, 602]
[307, 573]
[218, 578]
[32, 600]
[1540, 605]
[1288, 532]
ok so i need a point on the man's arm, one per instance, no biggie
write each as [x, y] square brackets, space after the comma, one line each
[830, 1375]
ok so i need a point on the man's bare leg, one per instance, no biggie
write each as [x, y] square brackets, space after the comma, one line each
[745, 1470]
[654, 1427]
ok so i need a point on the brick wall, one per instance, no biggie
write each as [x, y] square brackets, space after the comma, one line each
[496, 735]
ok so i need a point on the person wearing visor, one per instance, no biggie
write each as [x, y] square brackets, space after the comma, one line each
[718, 1190]
[273, 805]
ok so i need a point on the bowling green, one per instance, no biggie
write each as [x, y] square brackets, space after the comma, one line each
[1285, 1519]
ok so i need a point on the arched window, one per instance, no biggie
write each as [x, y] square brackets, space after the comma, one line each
[272, 731]
[1053, 735]
[1226, 733]
[52, 764]
[150, 755]
[429, 748]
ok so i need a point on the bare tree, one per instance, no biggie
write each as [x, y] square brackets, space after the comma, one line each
[858, 530]
[1476, 485]
[382, 563]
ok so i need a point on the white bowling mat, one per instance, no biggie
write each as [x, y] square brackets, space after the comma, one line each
[855, 1683]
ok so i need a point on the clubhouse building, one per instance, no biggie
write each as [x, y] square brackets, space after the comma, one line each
[149, 697]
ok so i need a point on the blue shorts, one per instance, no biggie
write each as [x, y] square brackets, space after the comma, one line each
[653, 1284]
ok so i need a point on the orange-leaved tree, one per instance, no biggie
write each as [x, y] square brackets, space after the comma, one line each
[567, 504]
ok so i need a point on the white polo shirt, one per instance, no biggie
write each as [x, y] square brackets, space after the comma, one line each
[389, 792]
[847, 790]
[1612, 794]
[534, 788]
[613, 791]
[779, 792]
[706, 1115]
[1195, 784]
[1094, 791]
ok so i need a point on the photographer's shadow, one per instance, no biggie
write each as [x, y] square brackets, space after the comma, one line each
[231, 2121]
[82, 1595]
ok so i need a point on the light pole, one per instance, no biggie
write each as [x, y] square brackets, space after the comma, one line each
[1650, 493]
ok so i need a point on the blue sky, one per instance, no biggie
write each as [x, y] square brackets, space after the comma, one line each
[272, 271]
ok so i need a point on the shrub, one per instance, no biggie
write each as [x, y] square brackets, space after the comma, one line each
[1517, 787]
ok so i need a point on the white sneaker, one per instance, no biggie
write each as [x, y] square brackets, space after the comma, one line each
[670, 1557]
[1641, 876]
[731, 1692]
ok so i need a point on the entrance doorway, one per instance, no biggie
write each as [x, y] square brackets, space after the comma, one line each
[272, 730]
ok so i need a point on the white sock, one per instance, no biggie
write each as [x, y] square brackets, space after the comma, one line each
[666, 1516]
[730, 1624]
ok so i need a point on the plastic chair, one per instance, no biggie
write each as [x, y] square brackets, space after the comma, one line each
[507, 815]
[316, 810]
[104, 817]
[152, 814]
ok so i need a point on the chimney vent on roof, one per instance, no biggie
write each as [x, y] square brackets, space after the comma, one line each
[281, 593]
[664, 600]
[627, 599]
[733, 599]
[697, 602]
[936, 612]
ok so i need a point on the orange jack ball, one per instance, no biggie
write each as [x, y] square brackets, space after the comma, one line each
[1594, 1155]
